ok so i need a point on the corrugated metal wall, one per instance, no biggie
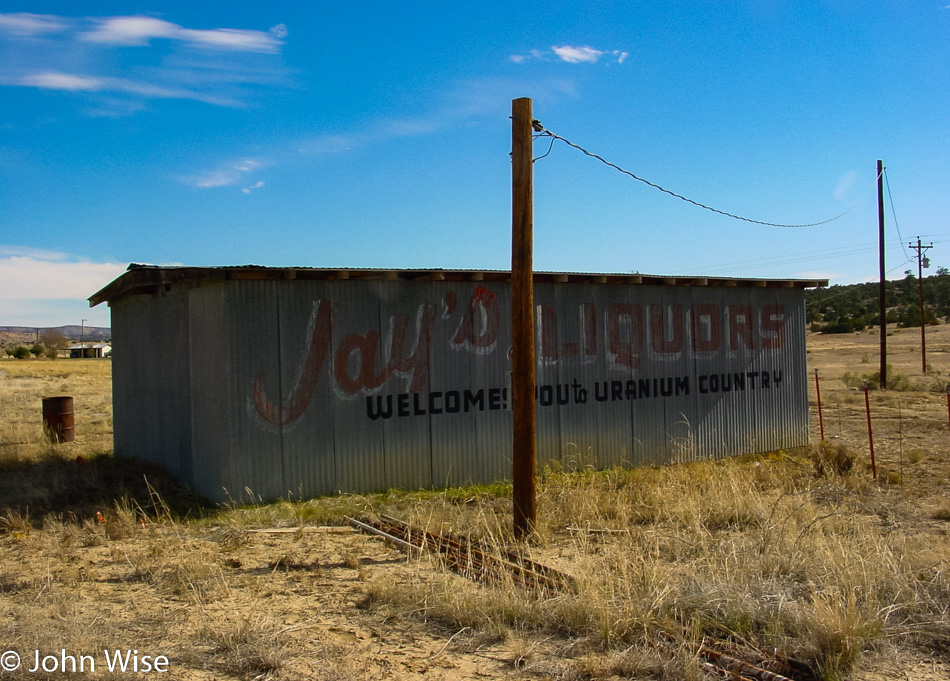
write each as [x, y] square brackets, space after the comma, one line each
[314, 386]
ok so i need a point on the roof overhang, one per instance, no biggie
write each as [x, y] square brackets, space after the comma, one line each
[152, 279]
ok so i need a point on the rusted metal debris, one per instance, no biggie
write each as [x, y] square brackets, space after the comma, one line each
[483, 564]
[738, 668]
[469, 559]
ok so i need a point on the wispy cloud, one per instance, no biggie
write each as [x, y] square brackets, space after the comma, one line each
[216, 66]
[48, 288]
[845, 184]
[7, 251]
[139, 30]
[225, 175]
[51, 80]
[572, 55]
[26, 24]
[470, 103]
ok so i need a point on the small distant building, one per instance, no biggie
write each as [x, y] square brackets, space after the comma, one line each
[89, 350]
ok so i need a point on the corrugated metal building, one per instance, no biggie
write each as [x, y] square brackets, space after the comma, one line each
[311, 381]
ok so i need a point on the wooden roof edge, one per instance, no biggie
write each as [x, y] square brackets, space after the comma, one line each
[149, 278]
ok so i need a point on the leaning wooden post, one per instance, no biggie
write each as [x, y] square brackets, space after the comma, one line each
[948, 405]
[821, 421]
[524, 442]
[867, 408]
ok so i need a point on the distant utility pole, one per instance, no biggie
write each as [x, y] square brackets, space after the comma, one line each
[922, 262]
[883, 294]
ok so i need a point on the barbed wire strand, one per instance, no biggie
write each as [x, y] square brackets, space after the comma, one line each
[542, 131]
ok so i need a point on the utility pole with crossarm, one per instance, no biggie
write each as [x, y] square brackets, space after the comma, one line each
[922, 262]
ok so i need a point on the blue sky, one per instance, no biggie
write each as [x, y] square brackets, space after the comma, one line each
[370, 134]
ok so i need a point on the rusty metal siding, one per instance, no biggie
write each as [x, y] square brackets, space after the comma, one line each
[290, 387]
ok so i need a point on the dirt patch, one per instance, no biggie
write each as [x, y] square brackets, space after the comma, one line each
[278, 592]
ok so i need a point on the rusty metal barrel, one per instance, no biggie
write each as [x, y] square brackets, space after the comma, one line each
[59, 419]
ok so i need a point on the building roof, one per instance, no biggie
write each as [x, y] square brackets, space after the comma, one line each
[148, 279]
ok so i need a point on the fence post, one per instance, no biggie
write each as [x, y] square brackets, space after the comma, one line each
[948, 405]
[867, 408]
[821, 422]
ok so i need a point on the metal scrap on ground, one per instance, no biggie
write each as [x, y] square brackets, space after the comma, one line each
[481, 563]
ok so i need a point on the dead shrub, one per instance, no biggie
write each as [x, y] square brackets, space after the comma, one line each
[832, 459]
[17, 524]
[249, 648]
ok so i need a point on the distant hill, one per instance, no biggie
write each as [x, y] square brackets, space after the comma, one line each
[74, 332]
[842, 309]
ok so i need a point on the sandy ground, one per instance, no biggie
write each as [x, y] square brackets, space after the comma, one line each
[290, 603]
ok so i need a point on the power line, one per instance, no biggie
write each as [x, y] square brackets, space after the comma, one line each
[544, 132]
[847, 288]
[894, 214]
[837, 252]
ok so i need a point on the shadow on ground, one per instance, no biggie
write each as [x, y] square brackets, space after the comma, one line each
[77, 489]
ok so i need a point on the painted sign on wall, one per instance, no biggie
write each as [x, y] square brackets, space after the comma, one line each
[699, 355]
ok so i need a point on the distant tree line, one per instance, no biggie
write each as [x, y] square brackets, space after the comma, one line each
[50, 343]
[843, 309]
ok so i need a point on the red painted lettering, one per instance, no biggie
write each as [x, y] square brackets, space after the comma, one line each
[299, 398]
[740, 327]
[589, 324]
[658, 331]
[772, 325]
[416, 365]
[706, 328]
[484, 307]
[550, 348]
[364, 349]
[625, 334]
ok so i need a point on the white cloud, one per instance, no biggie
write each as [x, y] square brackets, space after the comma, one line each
[226, 175]
[533, 54]
[845, 185]
[139, 30]
[44, 288]
[471, 101]
[80, 83]
[215, 66]
[575, 55]
[130, 30]
[256, 185]
[572, 55]
[25, 24]
[30, 252]
[62, 81]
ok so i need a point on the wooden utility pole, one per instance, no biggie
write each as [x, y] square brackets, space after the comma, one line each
[524, 441]
[883, 295]
[921, 249]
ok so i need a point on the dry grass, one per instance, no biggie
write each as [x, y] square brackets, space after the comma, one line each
[24, 384]
[800, 555]
[763, 552]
